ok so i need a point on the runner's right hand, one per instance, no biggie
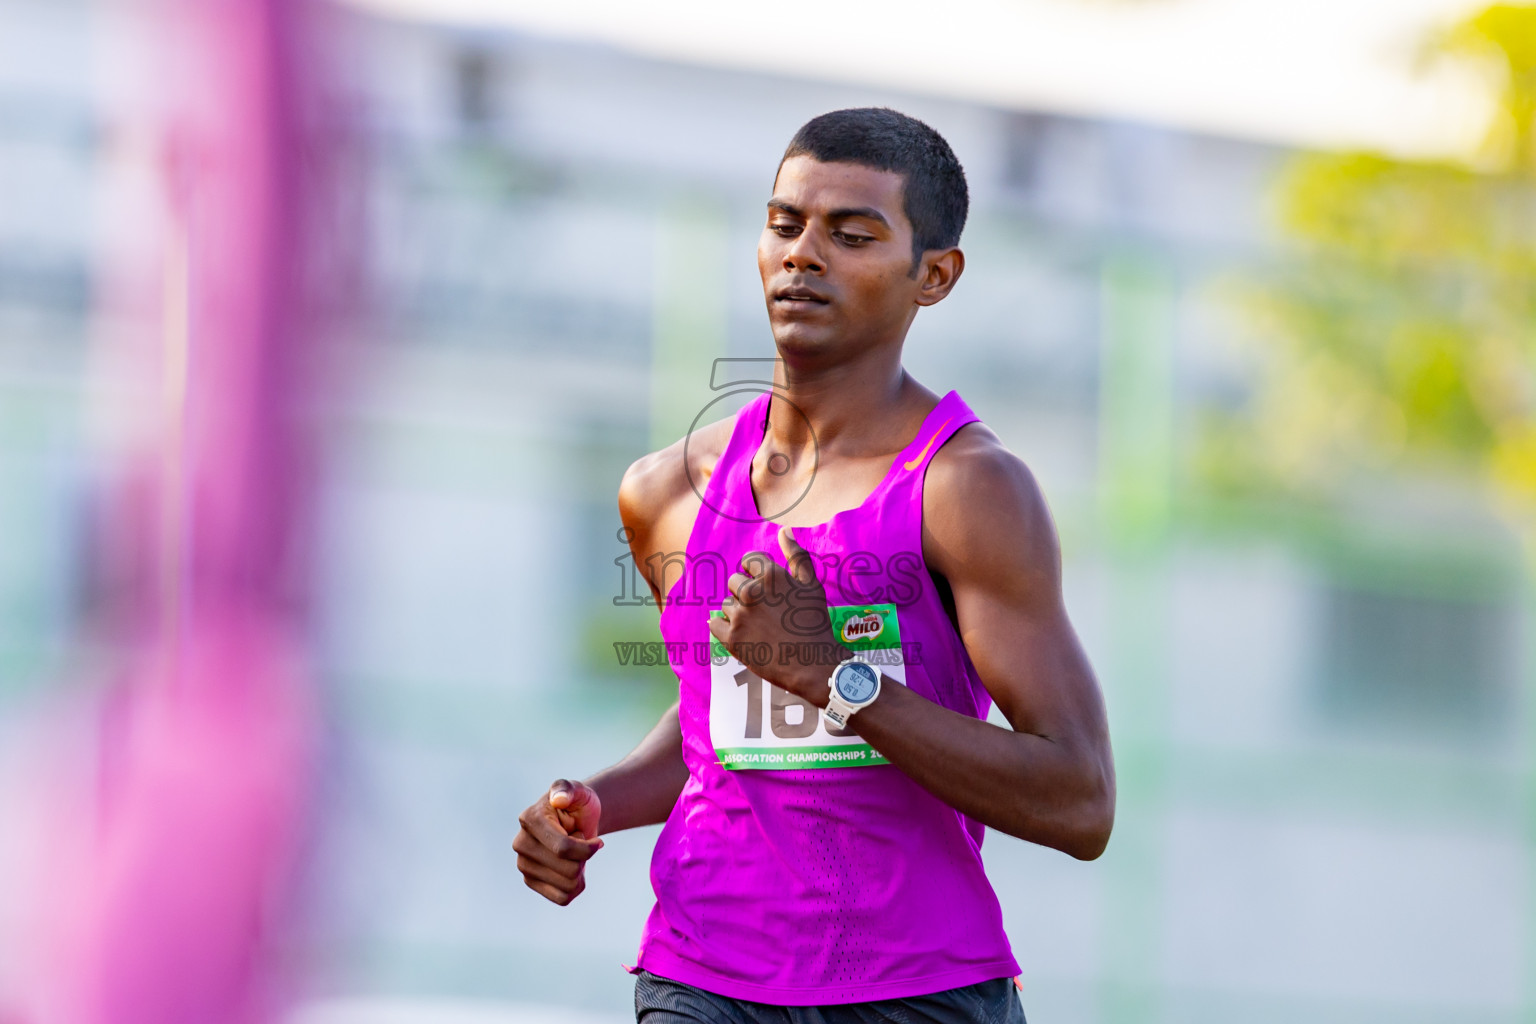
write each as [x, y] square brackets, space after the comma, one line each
[557, 838]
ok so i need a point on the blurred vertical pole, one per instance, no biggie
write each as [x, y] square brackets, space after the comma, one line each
[1135, 481]
[691, 313]
[173, 912]
[1528, 762]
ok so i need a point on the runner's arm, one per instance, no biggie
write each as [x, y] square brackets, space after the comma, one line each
[1050, 779]
[641, 789]
[657, 515]
[561, 831]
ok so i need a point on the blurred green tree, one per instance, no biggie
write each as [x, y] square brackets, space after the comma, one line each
[1404, 333]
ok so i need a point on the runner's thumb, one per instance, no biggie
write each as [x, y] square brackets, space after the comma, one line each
[798, 560]
[577, 805]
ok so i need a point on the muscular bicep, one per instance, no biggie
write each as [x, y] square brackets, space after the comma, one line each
[989, 532]
[1030, 660]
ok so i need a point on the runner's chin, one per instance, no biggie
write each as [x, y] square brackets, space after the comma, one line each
[803, 335]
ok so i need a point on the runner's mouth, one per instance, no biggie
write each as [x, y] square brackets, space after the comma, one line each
[799, 296]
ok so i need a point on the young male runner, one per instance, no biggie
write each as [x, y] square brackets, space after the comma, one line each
[891, 570]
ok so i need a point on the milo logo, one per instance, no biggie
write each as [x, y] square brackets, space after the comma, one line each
[866, 627]
[863, 627]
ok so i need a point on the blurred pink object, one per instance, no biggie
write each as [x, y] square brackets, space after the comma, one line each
[171, 907]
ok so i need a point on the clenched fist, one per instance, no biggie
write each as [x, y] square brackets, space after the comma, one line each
[557, 838]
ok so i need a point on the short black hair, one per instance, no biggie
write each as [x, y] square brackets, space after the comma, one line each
[935, 199]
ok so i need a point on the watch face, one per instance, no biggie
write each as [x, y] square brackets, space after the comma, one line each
[856, 682]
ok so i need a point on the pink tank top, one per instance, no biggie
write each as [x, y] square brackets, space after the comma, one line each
[844, 882]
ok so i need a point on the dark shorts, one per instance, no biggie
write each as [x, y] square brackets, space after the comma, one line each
[663, 1001]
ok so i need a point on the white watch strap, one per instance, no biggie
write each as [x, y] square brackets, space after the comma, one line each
[839, 710]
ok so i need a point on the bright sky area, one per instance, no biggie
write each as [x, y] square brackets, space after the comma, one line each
[1327, 73]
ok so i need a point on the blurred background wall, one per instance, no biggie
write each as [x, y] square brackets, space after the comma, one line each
[1315, 656]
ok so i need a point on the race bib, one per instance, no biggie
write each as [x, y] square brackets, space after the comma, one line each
[755, 724]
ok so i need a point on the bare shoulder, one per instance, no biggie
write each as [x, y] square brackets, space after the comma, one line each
[984, 514]
[655, 482]
[659, 497]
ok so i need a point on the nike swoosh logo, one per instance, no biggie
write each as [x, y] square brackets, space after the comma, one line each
[917, 460]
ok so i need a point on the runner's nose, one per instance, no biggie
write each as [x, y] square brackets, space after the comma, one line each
[803, 254]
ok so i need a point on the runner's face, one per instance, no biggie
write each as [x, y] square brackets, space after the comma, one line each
[836, 258]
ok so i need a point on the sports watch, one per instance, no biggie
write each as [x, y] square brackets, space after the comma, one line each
[855, 684]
